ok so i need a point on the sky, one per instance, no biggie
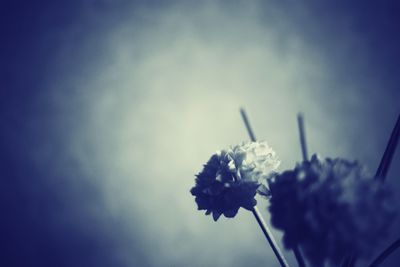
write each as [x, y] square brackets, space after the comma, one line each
[109, 108]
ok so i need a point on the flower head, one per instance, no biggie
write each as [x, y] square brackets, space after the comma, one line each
[330, 208]
[231, 177]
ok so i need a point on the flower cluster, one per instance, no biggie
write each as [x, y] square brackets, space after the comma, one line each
[330, 208]
[231, 177]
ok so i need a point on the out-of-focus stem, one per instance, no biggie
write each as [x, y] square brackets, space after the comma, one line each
[260, 220]
[381, 174]
[386, 253]
[303, 143]
[299, 257]
[302, 135]
[389, 152]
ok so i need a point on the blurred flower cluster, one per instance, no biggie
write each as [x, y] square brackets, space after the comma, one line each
[331, 208]
[230, 179]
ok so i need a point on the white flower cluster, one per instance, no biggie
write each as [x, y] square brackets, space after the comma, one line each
[250, 161]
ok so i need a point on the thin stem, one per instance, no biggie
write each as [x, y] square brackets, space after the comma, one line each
[247, 124]
[302, 135]
[278, 253]
[261, 222]
[299, 257]
[381, 175]
[303, 143]
[381, 172]
[389, 152]
[386, 253]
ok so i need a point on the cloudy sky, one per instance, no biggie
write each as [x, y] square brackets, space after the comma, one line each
[109, 108]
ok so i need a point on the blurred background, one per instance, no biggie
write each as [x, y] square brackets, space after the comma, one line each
[109, 108]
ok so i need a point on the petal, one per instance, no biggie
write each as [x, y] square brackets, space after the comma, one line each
[231, 213]
[216, 215]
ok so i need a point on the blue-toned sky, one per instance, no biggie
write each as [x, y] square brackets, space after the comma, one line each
[109, 108]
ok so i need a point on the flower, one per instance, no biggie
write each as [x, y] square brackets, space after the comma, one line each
[331, 208]
[231, 177]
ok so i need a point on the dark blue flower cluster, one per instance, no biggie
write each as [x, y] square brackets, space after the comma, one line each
[224, 195]
[331, 208]
[231, 177]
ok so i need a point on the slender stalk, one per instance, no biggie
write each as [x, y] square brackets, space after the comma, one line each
[247, 124]
[270, 238]
[299, 257]
[302, 135]
[386, 253]
[389, 152]
[303, 143]
[260, 220]
[380, 175]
